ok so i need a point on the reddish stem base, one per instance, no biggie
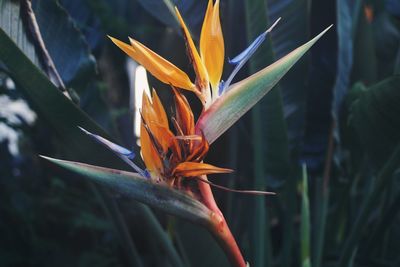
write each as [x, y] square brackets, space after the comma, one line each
[219, 227]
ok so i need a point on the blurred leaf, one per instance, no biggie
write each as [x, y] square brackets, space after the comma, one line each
[385, 222]
[346, 17]
[62, 115]
[11, 23]
[393, 6]
[63, 40]
[320, 215]
[86, 20]
[137, 187]
[200, 246]
[397, 62]
[292, 31]
[322, 69]
[192, 11]
[260, 232]
[305, 227]
[383, 180]
[58, 111]
[364, 57]
[243, 95]
[374, 116]
[386, 33]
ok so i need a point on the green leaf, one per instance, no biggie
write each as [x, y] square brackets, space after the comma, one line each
[192, 12]
[261, 248]
[305, 228]
[65, 43]
[290, 34]
[139, 188]
[368, 207]
[196, 243]
[364, 57]
[242, 96]
[62, 39]
[11, 23]
[62, 116]
[374, 116]
[321, 202]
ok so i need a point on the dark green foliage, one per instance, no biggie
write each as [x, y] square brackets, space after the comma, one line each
[374, 116]
[337, 111]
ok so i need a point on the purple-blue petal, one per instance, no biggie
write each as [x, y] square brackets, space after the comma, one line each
[112, 146]
[249, 51]
[244, 56]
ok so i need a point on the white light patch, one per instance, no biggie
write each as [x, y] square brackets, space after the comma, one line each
[10, 84]
[138, 85]
[11, 135]
[16, 110]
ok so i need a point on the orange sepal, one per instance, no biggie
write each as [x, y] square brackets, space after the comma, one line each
[199, 150]
[168, 142]
[159, 110]
[161, 68]
[212, 49]
[199, 68]
[193, 169]
[184, 114]
[149, 153]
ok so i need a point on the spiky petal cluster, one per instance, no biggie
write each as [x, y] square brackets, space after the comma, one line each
[208, 62]
[170, 156]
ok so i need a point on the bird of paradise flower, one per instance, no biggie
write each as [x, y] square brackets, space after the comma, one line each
[174, 157]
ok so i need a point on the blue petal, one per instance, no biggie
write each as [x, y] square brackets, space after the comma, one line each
[114, 147]
[147, 174]
[242, 58]
[123, 153]
[249, 51]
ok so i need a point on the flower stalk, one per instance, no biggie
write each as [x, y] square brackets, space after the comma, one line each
[219, 228]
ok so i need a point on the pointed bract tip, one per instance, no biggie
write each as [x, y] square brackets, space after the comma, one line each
[112, 38]
[273, 25]
[327, 29]
[44, 157]
[83, 130]
[176, 9]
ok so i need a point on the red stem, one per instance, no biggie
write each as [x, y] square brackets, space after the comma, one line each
[219, 227]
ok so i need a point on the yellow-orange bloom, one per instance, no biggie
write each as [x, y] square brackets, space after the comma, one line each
[208, 64]
[212, 47]
[161, 68]
[170, 156]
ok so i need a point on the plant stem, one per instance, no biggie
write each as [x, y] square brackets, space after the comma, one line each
[219, 228]
[33, 28]
[221, 231]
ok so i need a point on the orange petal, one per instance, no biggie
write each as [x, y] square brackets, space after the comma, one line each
[147, 110]
[192, 169]
[184, 114]
[168, 142]
[149, 153]
[159, 110]
[199, 151]
[212, 48]
[199, 68]
[162, 69]
[156, 120]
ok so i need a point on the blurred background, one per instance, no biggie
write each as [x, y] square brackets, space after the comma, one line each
[326, 139]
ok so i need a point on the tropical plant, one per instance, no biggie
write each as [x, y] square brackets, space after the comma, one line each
[324, 138]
